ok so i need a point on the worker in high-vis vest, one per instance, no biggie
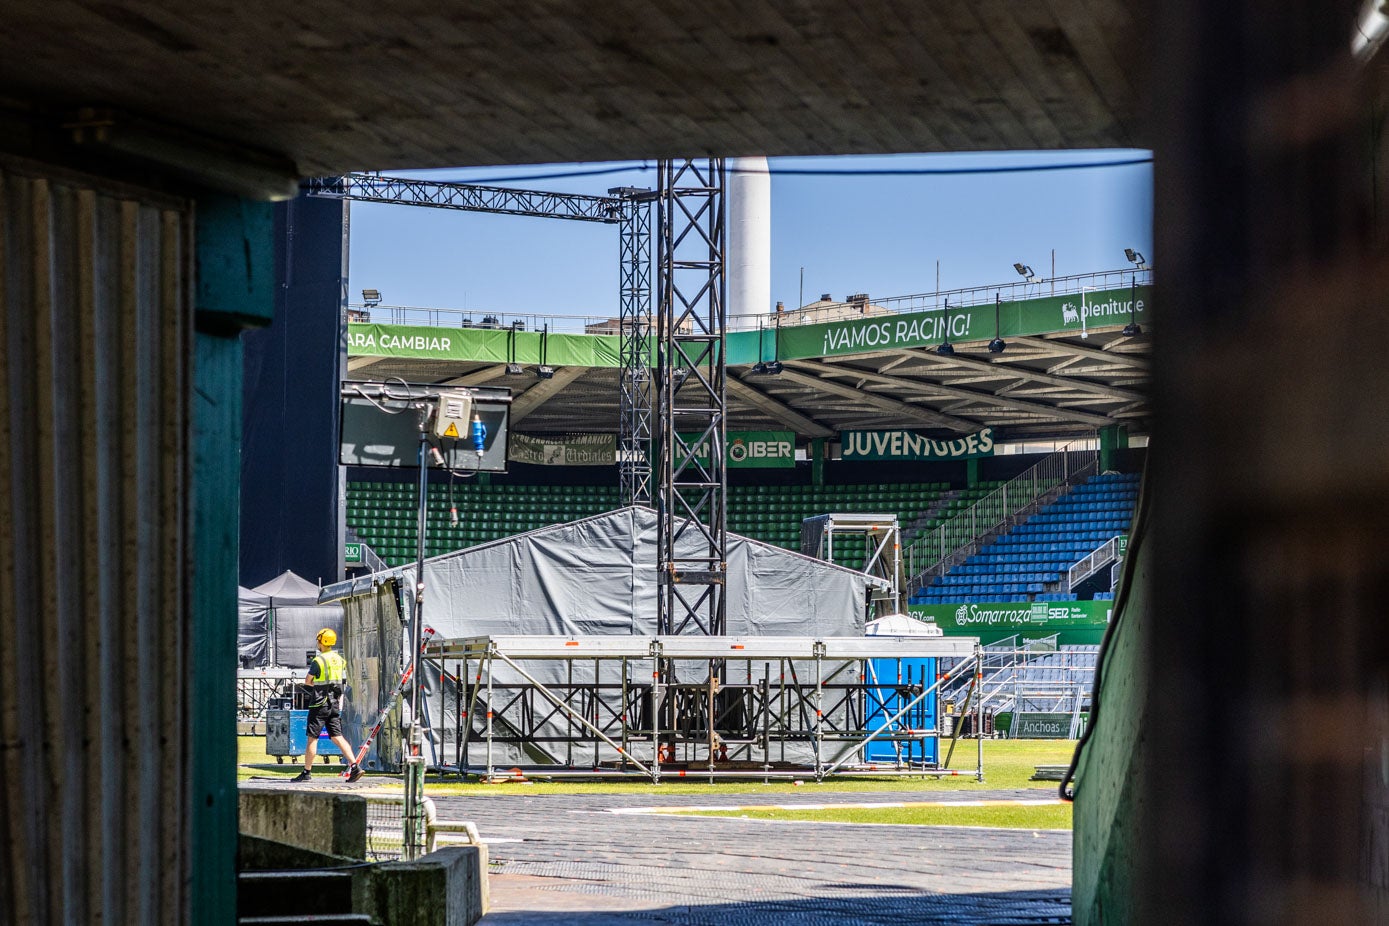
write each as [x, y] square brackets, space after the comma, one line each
[327, 671]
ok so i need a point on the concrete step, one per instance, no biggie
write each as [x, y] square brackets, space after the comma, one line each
[294, 894]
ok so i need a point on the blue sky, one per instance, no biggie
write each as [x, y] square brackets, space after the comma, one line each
[880, 234]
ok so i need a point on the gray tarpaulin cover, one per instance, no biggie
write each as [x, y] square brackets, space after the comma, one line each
[597, 576]
[288, 606]
[252, 628]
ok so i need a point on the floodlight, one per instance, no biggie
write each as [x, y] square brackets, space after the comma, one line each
[515, 369]
[946, 349]
[371, 297]
[1025, 272]
[774, 368]
[1136, 258]
[1132, 330]
[997, 346]
[759, 368]
[545, 371]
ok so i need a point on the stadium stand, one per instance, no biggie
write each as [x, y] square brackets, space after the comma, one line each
[383, 514]
[1029, 562]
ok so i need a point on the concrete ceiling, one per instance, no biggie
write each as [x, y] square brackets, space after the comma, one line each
[341, 86]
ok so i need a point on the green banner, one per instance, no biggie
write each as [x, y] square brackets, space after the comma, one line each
[1121, 545]
[908, 445]
[352, 554]
[754, 449]
[563, 449]
[1042, 725]
[972, 619]
[488, 345]
[1072, 312]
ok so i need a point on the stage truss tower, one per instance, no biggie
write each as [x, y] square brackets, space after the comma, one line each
[692, 405]
[634, 355]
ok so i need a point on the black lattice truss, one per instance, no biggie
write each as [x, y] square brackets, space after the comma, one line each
[691, 379]
[468, 197]
[634, 399]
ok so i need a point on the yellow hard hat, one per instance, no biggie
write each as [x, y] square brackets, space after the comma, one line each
[326, 637]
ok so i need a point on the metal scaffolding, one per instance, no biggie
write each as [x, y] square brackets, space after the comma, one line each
[627, 207]
[880, 543]
[615, 714]
[691, 379]
[634, 405]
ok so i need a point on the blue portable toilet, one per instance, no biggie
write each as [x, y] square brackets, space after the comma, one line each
[892, 683]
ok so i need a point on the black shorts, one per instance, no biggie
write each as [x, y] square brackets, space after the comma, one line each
[328, 715]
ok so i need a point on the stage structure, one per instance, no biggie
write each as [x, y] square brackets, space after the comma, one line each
[627, 207]
[691, 382]
[880, 541]
[762, 707]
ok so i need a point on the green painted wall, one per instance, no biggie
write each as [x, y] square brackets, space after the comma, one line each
[1111, 779]
[235, 287]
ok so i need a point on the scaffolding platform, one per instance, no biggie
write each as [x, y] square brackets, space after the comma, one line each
[716, 706]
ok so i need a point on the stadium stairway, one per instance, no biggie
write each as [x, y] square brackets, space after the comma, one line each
[383, 515]
[1028, 563]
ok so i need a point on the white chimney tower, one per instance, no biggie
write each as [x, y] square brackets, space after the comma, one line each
[749, 254]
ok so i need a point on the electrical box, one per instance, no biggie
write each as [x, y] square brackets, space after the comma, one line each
[454, 415]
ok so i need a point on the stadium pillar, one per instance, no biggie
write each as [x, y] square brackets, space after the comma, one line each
[972, 472]
[817, 461]
[1112, 439]
[1266, 637]
[235, 289]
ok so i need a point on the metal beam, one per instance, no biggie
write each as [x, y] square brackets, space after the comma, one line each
[1077, 350]
[536, 395]
[467, 197]
[991, 398]
[803, 425]
[477, 377]
[1007, 371]
[922, 416]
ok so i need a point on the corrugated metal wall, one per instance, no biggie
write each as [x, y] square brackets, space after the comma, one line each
[94, 551]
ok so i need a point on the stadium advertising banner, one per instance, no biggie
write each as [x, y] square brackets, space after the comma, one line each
[486, 345]
[908, 445]
[564, 449]
[971, 619]
[754, 449]
[1071, 312]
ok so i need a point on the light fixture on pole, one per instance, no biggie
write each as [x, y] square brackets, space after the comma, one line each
[1026, 273]
[1133, 329]
[1135, 258]
[544, 370]
[997, 345]
[371, 298]
[945, 348]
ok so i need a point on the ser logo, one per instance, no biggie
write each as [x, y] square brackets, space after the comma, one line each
[1069, 315]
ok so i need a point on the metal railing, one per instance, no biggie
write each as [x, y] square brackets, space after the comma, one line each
[1010, 504]
[820, 313]
[958, 298]
[1017, 676]
[1094, 561]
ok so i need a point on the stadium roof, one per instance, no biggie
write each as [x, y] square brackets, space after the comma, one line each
[1066, 370]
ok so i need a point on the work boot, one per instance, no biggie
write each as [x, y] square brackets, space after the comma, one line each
[305, 775]
[354, 773]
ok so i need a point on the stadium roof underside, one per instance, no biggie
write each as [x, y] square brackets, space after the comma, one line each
[1040, 387]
